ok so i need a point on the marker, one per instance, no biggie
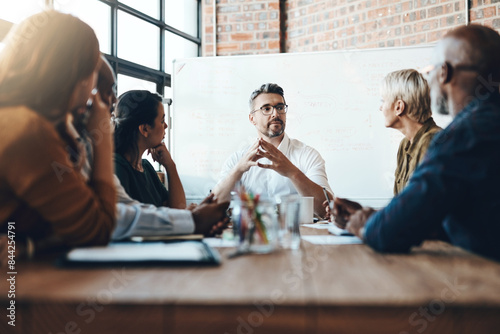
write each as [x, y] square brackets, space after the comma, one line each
[330, 204]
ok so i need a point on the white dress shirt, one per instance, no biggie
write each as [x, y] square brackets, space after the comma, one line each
[270, 184]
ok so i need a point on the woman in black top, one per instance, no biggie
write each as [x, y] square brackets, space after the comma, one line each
[139, 126]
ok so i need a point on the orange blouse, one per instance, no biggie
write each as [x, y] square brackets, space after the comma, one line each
[42, 191]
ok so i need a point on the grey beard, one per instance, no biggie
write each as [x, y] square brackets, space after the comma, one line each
[272, 134]
[442, 106]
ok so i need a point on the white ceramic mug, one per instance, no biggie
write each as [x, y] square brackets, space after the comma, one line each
[306, 210]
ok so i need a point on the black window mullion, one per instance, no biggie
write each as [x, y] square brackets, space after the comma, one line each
[162, 36]
[122, 66]
[160, 23]
[114, 30]
[200, 24]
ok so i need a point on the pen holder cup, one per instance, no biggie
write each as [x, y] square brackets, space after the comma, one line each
[255, 227]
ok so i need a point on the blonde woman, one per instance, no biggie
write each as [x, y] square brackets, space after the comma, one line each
[406, 107]
[48, 70]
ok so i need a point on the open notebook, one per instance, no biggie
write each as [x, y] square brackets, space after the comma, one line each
[160, 253]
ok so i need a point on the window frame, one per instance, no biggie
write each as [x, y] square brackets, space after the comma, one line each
[131, 69]
[125, 67]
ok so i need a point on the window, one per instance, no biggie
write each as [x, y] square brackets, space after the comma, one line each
[141, 38]
[95, 13]
[182, 15]
[148, 7]
[126, 83]
[177, 47]
[138, 40]
[16, 11]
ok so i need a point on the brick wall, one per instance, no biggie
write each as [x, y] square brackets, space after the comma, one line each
[259, 26]
[344, 24]
[486, 12]
[243, 27]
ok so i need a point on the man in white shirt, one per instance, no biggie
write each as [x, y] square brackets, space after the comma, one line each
[275, 165]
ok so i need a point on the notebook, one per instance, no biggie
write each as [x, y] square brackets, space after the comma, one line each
[141, 253]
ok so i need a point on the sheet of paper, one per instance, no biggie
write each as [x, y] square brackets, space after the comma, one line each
[167, 237]
[220, 242]
[317, 226]
[148, 251]
[331, 240]
[333, 229]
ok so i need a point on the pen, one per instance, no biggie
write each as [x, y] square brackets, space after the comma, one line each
[330, 204]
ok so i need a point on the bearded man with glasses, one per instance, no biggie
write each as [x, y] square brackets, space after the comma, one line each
[274, 165]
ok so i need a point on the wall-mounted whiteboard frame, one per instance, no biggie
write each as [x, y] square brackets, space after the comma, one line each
[333, 100]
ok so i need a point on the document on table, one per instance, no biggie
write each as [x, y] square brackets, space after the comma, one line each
[333, 229]
[319, 226]
[181, 252]
[182, 237]
[220, 242]
[332, 240]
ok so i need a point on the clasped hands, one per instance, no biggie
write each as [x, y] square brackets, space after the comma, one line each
[348, 215]
[262, 149]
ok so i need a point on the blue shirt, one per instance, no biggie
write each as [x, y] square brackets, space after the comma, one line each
[457, 185]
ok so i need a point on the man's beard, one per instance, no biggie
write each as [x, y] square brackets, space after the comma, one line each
[439, 104]
[270, 133]
[442, 106]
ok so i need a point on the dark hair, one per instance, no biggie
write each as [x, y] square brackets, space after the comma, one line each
[45, 56]
[134, 108]
[268, 88]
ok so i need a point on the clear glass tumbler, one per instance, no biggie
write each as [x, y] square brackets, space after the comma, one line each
[289, 218]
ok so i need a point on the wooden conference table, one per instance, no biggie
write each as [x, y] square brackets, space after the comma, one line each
[437, 288]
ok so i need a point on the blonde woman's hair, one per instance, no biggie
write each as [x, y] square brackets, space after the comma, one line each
[410, 87]
[44, 57]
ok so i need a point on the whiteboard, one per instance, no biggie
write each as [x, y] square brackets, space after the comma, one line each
[333, 100]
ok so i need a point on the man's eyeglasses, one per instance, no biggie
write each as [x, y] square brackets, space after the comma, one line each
[268, 109]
